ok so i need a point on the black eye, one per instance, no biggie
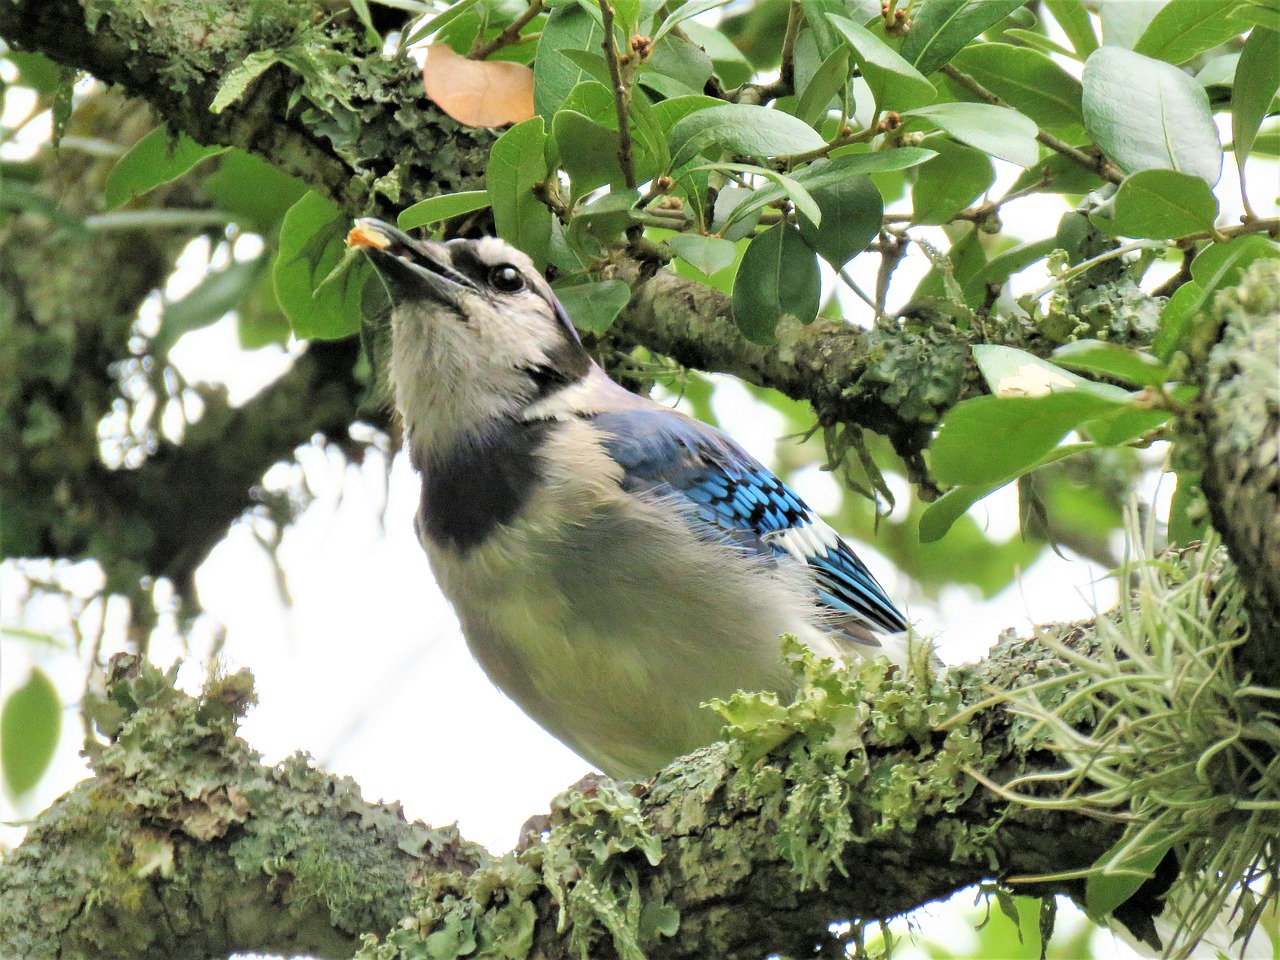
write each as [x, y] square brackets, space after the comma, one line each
[506, 279]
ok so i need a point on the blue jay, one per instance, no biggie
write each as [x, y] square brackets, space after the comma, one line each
[613, 563]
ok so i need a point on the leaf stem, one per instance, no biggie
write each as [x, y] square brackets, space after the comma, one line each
[852, 285]
[509, 36]
[1097, 163]
[1270, 225]
[621, 95]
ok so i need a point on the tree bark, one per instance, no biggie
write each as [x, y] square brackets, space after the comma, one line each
[184, 845]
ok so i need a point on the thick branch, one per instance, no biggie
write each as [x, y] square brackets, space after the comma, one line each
[139, 861]
[372, 132]
[1239, 448]
[896, 380]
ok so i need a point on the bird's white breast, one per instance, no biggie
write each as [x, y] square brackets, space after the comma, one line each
[609, 619]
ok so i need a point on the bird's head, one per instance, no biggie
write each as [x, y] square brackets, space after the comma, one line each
[477, 334]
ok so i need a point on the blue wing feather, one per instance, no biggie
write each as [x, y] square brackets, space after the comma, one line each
[665, 452]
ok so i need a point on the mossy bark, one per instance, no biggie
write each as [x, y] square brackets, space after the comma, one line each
[184, 845]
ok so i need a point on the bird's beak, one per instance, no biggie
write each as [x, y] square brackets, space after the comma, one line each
[410, 269]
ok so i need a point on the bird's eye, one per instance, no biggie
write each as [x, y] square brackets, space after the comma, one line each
[506, 279]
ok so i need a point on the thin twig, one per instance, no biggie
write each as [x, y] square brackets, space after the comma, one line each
[1098, 164]
[1270, 225]
[785, 85]
[852, 285]
[891, 253]
[510, 34]
[621, 95]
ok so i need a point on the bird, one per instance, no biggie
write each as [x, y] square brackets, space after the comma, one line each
[613, 563]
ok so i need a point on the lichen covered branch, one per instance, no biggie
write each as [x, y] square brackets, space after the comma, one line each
[183, 844]
[1238, 444]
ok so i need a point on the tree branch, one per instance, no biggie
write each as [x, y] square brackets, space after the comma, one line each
[1238, 444]
[895, 380]
[374, 141]
[756, 855]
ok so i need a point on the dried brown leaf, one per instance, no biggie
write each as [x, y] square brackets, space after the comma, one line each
[478, 93]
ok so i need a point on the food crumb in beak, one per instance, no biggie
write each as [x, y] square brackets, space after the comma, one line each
[362, 236]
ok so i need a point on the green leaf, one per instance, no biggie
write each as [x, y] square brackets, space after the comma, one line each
[743, 129]
[594, 64]
[683, 13]
[568, 28]
[825, 37]
[216, 295]
[1073, 18]
[260, 319]
[589, 152]
[1124, 21]
[894, 82]
[517, 163]
[1058, 174]
[940, 515]
[1113, 360]
[987, 440]
[828, 82]
[1218, 72]
[236, 81]
[1122, 870]
[1256, 81]
[36, 71]
[444, 207]
[1027, 80]
[606, 217]
[438, 23]
[852, 210]
[708, 255]
[676, 61]
[30, 724]
[670, 112]
[1123, 424]
[804, 203]
[18, 195]
[594, 306]
[723, 279]
[825, 173]
[779, 276]
[157, 158]
[1003, 266]
[312, 247]
[940, 28]
[998, 131]
[253, 191]
[949, 182]
[1037, 41]
[1149, 115]
[1177, 318]
[1184, 28]
[626, 13]
[657, 917]
[1218, 266]
[1013, 372]
[1159, 205]
[854, 159]
[1264, 13]
[592, 100]
[730, 65]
